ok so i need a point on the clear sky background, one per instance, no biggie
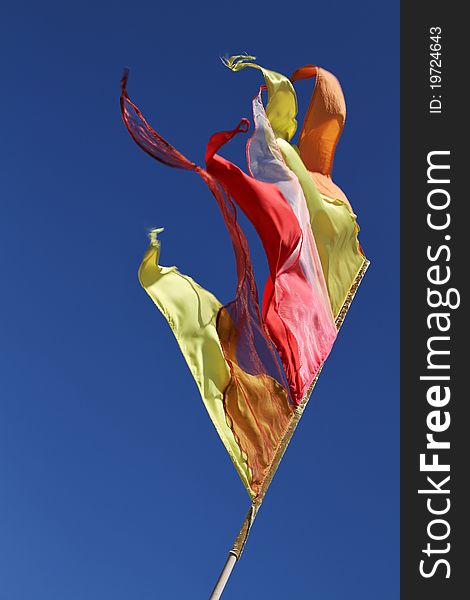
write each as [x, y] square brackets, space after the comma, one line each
[113, 482]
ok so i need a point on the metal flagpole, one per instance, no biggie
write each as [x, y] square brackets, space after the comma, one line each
[223, 577]
[240, 541]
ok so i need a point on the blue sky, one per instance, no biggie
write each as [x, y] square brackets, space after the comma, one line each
[102, 492]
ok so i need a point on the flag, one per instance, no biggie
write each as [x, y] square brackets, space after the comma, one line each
[255, 368]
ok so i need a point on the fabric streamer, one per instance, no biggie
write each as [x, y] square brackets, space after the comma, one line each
[253, 367]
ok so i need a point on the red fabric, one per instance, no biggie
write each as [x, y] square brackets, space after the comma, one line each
[287, 292]
[263, 204]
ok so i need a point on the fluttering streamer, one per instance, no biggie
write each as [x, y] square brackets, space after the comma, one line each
[255, 368]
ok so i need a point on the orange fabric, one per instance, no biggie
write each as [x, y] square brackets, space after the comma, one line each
[260, 423]
[322, 127]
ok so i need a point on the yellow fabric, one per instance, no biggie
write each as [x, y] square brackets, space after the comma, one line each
[335, 230]
[332, 220]
[191, 312]
[281, 109]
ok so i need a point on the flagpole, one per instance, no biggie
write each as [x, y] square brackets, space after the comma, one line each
[223, 577]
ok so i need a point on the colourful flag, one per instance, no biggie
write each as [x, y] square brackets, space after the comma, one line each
[232, 350]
